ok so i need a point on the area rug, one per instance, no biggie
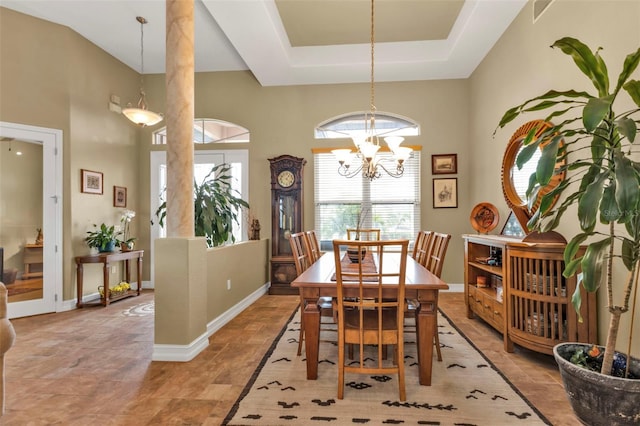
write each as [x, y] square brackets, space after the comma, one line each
[466, 389]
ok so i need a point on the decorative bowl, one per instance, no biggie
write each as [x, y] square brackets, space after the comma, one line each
[353, 254]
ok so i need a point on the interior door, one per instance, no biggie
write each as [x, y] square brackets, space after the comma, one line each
[21, 215]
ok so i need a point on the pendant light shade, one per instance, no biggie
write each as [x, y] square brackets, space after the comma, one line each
[140, 114]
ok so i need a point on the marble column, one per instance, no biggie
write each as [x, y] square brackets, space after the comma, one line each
[179, 117]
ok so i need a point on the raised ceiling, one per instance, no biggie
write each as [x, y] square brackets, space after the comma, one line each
[294, 42]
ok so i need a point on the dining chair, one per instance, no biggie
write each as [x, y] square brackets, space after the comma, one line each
[314, 245]
[301, 252]
[430, 255]
[421, 246]
[363, 234]
[365, 317]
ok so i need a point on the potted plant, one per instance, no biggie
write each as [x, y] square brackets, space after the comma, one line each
[604, 183]
[127, 242]
[103, 237]
[216, 206]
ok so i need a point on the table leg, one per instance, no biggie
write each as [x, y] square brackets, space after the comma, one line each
[79, 290]
[139, 263]
[127, 271]
[105, 282]
[425, 327]
[311, 323]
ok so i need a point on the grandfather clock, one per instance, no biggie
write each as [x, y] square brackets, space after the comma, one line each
[286, 219]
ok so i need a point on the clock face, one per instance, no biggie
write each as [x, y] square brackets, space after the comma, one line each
[286, 178]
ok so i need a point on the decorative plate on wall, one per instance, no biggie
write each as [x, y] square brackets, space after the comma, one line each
[484, 217]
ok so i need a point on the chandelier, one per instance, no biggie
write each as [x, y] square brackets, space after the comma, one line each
[141, 115]
[371, 163]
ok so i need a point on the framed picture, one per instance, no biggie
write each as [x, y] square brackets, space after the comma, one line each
[91, 181]
[119, 196]
[445, 193]
[444, 164]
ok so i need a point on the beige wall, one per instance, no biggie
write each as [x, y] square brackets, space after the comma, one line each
[51, 77]
[521, 66]
[282, 121]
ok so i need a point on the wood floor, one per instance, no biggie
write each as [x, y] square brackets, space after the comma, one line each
[93, 366]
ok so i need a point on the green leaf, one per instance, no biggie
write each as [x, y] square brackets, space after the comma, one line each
[630, 65]
[576, 301]
[547, 163]
[627, 189]
[609, 211]
[596, 110]
[628, 253]
[589, 202]
[633, 89]
[572, 248]
[593, 264]
[592, 67]
[627, 127]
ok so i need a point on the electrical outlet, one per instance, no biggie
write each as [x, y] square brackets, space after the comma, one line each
[113, 269]
[228, 284]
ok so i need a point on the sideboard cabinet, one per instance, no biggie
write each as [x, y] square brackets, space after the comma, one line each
[518, 288]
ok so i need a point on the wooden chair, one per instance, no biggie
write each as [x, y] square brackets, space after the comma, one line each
[301, 251]
[314, 245]
[429, 250]
[363, 234]
[370, 319]
[421, 246]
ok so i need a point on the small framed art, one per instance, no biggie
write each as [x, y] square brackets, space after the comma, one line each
[444, 164]
[119, 196]
[91, 182]
[445, 193]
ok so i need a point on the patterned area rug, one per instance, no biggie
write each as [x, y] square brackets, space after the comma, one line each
[140, 310]
[466, 389]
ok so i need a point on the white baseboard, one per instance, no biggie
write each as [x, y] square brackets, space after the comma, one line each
[455, 288]
[185, 353]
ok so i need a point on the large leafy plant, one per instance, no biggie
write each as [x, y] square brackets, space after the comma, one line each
[216, 206]
[604, 177]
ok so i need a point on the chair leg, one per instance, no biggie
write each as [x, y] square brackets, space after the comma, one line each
[437, 341]
[340, 371]
[301, 336]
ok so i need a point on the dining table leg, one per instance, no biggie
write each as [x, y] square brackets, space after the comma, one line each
[425, 327]
[311, 323]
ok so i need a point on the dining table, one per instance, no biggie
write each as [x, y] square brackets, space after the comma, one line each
[420, 284]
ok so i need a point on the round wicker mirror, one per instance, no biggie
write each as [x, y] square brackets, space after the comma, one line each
[516, 181]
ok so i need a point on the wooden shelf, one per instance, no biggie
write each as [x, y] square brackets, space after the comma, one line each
[535, 308]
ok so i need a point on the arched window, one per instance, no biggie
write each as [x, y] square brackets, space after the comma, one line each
[209, 130]
[353, 124]
[389, 203]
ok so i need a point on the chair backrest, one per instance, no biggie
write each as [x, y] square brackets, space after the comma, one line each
[314, 245]
[300, 251]
[422, 246]
[363, 234]
[368, 314]
[437, 252]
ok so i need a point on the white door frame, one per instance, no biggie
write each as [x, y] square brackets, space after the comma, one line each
[51, 140]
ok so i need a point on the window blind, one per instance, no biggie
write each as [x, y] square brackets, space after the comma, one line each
[388, 203]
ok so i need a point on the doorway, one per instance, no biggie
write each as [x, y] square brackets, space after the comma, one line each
[24, 252]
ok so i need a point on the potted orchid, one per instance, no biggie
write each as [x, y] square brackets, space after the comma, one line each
[127, 242]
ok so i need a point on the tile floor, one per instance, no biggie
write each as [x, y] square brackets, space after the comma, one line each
[93, 366]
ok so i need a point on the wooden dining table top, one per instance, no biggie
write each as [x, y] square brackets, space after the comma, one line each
[321, 274]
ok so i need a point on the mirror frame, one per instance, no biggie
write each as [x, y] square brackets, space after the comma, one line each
[520, 207]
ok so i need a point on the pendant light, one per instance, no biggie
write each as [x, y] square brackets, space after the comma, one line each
[141, 115]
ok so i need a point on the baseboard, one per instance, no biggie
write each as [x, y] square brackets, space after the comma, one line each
[232, 312]
[455, 288]
[185, 353]
[180, 353]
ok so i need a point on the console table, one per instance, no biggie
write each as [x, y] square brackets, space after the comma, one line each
[32, 256]
[106, 259]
